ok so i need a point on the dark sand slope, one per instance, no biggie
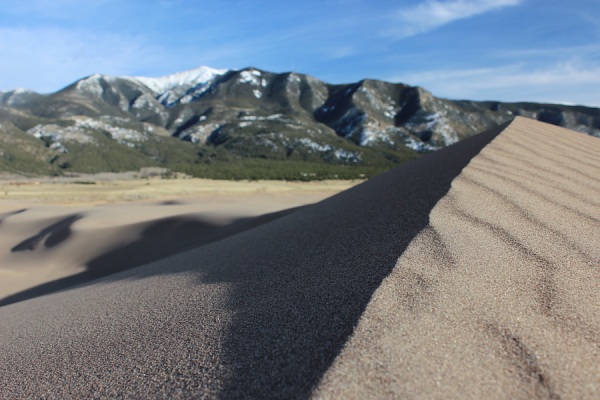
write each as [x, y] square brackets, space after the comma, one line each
[500, 296]
[266, 312]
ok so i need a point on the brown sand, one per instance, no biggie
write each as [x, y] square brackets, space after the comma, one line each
[43, 244]
[499, 297]
[489, 289]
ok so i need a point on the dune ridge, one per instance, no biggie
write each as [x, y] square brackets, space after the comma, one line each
[498, 297]
[443, 278]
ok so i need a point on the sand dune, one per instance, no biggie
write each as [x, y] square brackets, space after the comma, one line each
[499, 296]
[47, 248]
[468, 273]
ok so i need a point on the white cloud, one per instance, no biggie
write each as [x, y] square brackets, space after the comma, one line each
[432, 14]
[568, 83]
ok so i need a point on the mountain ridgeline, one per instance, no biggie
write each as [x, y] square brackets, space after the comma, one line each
[245, 124]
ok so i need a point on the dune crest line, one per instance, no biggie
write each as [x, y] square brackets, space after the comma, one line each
[498, 297]
[260, 314]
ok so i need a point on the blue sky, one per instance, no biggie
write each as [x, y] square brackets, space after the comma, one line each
[510, 50]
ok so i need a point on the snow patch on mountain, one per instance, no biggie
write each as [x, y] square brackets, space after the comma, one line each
[120, 134]
[294, 79]
[17, 92]
[14, 96]
[339, 154]
[191, 77]
[272, 117]
[372, 134]
[251, 76]
[92, 84]
[436, 123]
[181, 87]
[418, 145]
[54, 136]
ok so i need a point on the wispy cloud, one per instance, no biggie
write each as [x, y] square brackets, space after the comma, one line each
[46, 59]
[334, 53]
[569, 82]
[432, 14]
[590, 50]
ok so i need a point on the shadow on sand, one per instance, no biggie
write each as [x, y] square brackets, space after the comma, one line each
[160, 239]
[302, 282]
[299, 284]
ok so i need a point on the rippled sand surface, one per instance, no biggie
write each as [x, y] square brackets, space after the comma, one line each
[499, 297]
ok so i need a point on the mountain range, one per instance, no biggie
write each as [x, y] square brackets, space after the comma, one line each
[245, 123]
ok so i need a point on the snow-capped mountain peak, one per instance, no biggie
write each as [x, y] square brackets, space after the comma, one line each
[16, 96]
[188, 78]
[21, 91]
[181, 87]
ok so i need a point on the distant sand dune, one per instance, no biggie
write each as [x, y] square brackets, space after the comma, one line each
[48, 248]
[468, 273]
